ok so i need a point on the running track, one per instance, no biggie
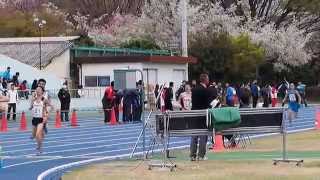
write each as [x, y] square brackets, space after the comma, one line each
[91, 139]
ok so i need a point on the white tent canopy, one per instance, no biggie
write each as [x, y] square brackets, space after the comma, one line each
[28, 72]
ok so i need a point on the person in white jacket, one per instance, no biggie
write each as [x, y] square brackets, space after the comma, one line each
[12, 104]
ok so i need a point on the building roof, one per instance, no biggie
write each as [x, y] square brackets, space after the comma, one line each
[36, 39]
[136, 59]
[27, 50]
[85, 51]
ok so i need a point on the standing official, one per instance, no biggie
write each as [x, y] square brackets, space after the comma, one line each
[200, 100]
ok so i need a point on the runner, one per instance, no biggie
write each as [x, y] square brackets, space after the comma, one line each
[39, 106]
[42, 83]
[294, 100]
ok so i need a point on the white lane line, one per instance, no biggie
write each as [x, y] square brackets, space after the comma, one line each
[76, 156]
[73, 144]
[78, 133]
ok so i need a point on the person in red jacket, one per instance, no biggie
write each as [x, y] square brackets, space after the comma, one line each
[108, 102]
[274, 95]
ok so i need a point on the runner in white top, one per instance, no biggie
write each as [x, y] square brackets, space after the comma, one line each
[39, 107]
[185, 98]
[42, 83]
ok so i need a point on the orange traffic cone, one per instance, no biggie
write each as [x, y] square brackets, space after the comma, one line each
[23, 122]
[58, 119]
[218, 143]
[74, 121]
[113, 120]
[317, 123]
[4, 123]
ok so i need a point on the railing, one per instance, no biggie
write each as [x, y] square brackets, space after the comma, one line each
[86, 93]
[81, 51]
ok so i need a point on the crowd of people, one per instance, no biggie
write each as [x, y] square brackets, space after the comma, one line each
[130, 101]
[249, 95]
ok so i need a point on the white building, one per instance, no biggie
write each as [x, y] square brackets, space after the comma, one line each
[97, 71]
[55, 53]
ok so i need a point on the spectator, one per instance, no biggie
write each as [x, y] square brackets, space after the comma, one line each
[12, 104]
[213, 96]
[274, 95]
[265, 93]
[80, 92]
[185, 98]
[6, 74]
[180, 90]
[156, 94]
[108, 102]
[34, 85]
[117, 103]
[5, 84]
[1, 87]
[23, 93]
[3, 103]
[200, 100]
[245, 97]
[302, 91]
[231, 92]
[64, 97]
[169, 97]
[15, 79]
[282, 89]
[254, 93]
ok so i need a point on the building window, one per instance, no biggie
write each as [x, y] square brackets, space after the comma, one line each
[103, 81]
[97, 81]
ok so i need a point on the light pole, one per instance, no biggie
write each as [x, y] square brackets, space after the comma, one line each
[40, 24]
[184, 28]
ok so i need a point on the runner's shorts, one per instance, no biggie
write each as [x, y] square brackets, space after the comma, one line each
[36, 121]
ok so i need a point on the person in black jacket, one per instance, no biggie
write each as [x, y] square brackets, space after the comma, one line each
[64, 97]
[200, 100]
[169, 97]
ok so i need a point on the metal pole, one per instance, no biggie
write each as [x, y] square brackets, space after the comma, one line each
[40, 45]
[143, 118]
[184, 29]
[284, 136]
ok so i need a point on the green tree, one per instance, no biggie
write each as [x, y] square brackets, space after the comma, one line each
[226, 58]
[246, 58]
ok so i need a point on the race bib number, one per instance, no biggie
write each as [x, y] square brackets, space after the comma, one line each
[37, 111]
[292, 97]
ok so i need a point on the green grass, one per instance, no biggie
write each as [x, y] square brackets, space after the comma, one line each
[252, 163]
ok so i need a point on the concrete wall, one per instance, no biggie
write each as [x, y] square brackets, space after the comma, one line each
[166, 72]
[60, 66]
[106, 69]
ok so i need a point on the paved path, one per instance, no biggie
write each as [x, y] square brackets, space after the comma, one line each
[91, 139]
